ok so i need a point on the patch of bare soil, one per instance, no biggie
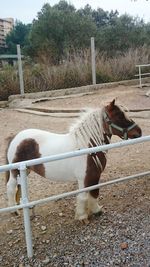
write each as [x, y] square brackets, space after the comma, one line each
[120, 236]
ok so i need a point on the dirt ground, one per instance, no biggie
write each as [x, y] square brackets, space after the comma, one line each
[54, 229]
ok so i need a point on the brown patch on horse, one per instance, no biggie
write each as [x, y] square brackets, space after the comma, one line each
[28, 149]
[8, 140]
[94, 171]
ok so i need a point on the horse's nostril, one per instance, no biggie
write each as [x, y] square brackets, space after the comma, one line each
[140, 132]
[138, 135]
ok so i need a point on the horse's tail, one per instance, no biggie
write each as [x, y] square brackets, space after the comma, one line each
[18, 194]
[7, 173]
[8, 140]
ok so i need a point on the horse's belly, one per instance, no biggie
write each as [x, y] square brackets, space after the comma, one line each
[66, 170]
[60, 171]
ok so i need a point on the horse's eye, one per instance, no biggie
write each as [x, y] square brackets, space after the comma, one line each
[122, 116]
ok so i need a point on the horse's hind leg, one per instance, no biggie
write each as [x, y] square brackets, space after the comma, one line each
[11, 189]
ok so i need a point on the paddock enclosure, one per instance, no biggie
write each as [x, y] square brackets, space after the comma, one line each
[118, 237]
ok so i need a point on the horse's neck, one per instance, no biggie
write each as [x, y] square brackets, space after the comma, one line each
[107, 138]
[106, 131]
[89, 132]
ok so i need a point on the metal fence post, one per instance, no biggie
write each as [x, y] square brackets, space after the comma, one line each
[26, 212]
[20, 70]
[93, 61]
[140, 78]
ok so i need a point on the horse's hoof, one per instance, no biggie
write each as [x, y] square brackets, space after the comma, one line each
[80, 217]
[99, 213]
[85, 221]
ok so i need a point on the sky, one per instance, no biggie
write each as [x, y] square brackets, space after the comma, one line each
[26, 10]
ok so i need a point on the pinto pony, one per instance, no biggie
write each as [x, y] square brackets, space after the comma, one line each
[94, 128]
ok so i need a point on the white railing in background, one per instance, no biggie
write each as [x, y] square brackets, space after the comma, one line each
[21, 81]
[25, 204]
[140, 74]
[93, 60]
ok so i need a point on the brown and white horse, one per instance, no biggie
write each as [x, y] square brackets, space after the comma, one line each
[94, 128]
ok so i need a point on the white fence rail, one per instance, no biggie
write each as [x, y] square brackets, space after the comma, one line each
[140, 74]
[25, 204]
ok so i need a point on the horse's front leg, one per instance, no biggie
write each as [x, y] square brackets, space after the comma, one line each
[82, 204]
[95, 166]
[93, 206]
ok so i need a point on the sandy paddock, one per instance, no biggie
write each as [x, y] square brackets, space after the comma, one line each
[119, 237]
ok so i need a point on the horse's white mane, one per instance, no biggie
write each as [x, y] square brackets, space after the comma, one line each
[123, 108]
[88, 127]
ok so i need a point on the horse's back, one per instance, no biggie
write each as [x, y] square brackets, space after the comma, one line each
[33, 143]
[47, 142]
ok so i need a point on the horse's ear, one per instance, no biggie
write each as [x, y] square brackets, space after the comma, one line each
[111, 105]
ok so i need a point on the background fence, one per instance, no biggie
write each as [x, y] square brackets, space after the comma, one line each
[25, 204]
[140, 74]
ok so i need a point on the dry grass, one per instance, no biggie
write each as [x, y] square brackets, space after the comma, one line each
[9, 83]
[73, 71]
[121, 67]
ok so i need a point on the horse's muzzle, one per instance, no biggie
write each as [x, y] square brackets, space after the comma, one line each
[137, 134]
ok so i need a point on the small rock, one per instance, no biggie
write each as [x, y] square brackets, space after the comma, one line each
[16, 241]
[124, 245]
[60, 214]
[46, 261]
[9, 232]
[42, 233]
[10, 244]
[43, 228]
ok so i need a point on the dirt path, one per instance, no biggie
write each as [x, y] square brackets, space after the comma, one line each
[58, 239]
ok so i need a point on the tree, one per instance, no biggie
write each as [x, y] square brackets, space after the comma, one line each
[124, 33]
[19, 35]
[58, 29]
[62, 28]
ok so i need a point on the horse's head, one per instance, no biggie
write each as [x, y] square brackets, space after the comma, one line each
[116, 122]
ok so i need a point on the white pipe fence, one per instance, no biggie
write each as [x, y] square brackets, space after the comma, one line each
[93, 61]
[21, 82]
[140, 74]
[25, 204]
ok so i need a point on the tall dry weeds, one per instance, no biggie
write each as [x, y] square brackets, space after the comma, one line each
[121, 67]
[74, 71]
